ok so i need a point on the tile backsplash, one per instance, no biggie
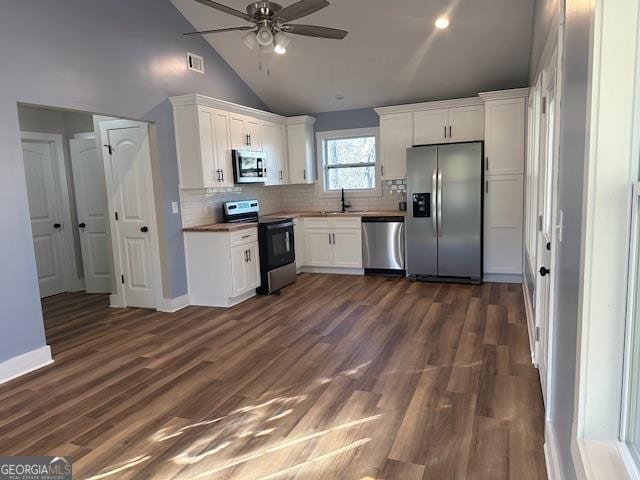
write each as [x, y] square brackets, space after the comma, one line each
[203, 206]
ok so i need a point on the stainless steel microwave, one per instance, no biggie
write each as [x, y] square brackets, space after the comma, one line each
[249, 166]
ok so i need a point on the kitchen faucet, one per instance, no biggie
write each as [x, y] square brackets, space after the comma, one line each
[345, 205]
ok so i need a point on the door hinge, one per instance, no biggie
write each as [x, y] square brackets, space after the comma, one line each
[544, 104]
[539, 223]
[537, 334]
[109, 148]
[116, 215]
[122, 279]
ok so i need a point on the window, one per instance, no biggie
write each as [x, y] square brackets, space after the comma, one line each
[348, 160]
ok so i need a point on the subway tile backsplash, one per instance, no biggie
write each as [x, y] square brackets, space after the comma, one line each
[203, 206]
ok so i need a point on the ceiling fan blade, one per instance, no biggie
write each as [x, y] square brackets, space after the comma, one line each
[298, 10]
[225, 9]
[315, 31]
[218, 30]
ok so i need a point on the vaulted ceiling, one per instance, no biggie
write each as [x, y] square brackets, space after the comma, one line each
[392, 55]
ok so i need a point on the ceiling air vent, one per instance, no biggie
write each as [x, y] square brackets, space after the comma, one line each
[195, 62]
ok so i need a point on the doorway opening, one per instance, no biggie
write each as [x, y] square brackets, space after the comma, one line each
[92, 208]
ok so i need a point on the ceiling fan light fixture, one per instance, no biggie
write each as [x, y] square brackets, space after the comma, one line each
[442, 23]
[264, 37]
[250, 40]
[281, 41]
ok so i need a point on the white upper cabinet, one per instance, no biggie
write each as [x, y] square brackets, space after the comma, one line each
[245, 133]
[301, 142]
[207, 130]
[505, 136]
[430, 126]
[273, 145]
[466, 124]
[203, 146]
[396, 135]
[404, 126]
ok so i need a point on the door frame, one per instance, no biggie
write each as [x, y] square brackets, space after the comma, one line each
[118, 298]
[555, 224]
[72, 282]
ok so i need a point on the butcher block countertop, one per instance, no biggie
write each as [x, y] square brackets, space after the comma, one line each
[221, 227]
[232, 227]
[354, 213]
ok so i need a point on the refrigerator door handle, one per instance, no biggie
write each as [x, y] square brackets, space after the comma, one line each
[439, 200]
[434, 190]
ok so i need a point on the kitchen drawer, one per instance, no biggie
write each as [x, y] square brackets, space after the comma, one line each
[317, 222]
[347, 222]
[242, 237]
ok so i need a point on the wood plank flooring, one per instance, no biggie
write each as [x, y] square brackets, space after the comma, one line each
[339, 378]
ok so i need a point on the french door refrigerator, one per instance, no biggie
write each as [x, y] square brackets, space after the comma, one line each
[444, 221]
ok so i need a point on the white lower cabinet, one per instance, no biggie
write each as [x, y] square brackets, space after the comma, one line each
[223, 268]
[333, 242]
[318, 247]
[503, 224]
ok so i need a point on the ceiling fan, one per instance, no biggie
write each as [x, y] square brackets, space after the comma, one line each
[271, 23]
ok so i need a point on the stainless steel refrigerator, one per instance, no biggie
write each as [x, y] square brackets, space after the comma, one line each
[444, 217]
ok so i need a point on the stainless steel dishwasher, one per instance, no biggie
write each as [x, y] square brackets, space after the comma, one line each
[383, 245]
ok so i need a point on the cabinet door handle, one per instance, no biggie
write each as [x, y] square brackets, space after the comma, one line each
[382, 170]
[445, 131]
[450, 135]
[486, 186]
[245, 236]
[246, 256]
[249, 252]
[334, 238]
[304, 174]
[329, 239]
[221, 175]
[280, 174]
[487, 164]
[82, 225]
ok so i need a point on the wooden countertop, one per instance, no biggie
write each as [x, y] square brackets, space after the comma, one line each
[221, 227]
[232, 227]
[362, 213]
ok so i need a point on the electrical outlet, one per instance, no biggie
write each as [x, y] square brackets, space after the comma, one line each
[174, 207]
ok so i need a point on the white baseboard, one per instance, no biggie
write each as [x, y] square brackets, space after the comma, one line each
[551, 453]
[502, 278]
[333, 270]
[170, 305]
[25, 363]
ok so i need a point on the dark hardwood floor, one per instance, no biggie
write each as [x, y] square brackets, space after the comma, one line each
[339, 378]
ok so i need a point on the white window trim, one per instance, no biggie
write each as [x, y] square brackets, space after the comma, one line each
[321, 137]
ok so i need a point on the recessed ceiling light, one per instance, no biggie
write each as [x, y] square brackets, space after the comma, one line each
[442, 23]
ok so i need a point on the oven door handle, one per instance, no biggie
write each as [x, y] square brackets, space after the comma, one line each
[280, 225]
[286, 241]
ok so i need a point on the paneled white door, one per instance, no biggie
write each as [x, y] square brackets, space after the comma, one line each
[129, 160]
[46, 216]
[91, 204]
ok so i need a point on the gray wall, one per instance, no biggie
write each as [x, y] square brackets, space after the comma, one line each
[544, 12]
[346, 119]
[114, 57]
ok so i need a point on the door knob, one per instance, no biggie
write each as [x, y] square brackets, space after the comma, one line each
[544, 271]
[82, 225]
[144, 229]
[56, 225]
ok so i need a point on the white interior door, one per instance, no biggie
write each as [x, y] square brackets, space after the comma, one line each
[46, 216]
[91, 204]
[129, 161]
[546, 234]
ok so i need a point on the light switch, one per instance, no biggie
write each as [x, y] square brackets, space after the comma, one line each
[174, 207]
